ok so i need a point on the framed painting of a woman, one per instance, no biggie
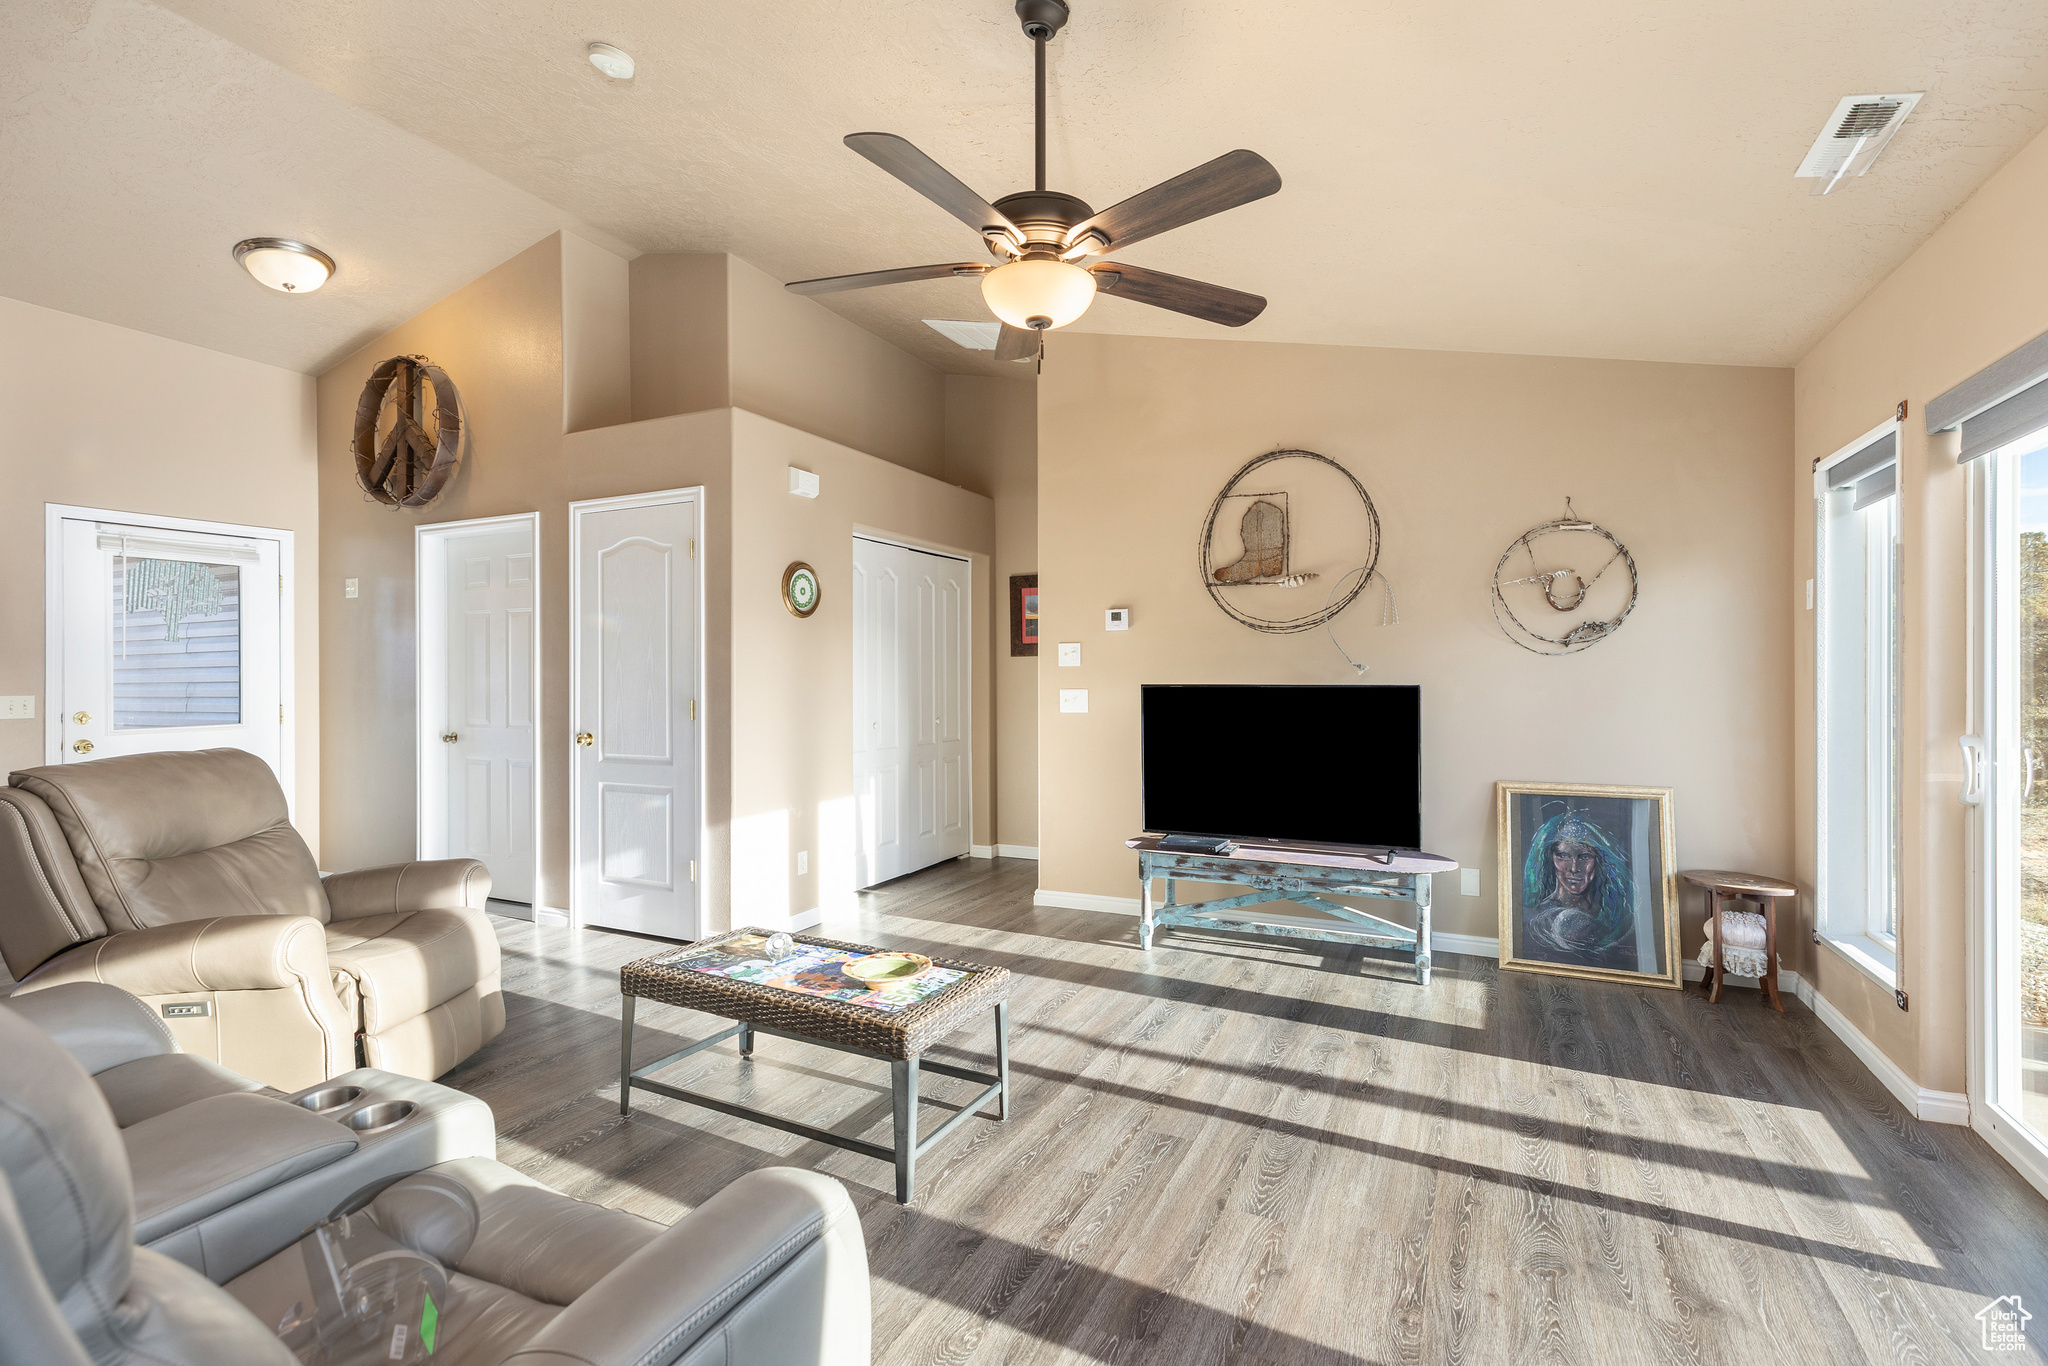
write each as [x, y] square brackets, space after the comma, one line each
[1589, 882]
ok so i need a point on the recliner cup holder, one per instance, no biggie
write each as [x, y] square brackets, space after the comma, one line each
[330, 1098]
[375, 1119]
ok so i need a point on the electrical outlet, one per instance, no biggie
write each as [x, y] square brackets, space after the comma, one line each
[1070, 655]
[1073, 699]
[18, 708]
[348, 588]
[1468, 881]
[803, 862]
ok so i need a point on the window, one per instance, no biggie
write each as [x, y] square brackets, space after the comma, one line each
[1856, 652]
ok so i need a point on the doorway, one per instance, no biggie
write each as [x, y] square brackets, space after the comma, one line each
[166, 634]
[636, 673]
[910, 709]
[479, 697]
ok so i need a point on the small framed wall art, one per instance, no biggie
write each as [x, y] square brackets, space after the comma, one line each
[1023, 614]
[800, 589]
[1589, 882]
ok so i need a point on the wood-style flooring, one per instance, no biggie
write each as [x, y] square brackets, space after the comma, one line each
[1239, 1151]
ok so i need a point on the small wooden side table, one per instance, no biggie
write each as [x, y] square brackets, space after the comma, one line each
[1723, 887]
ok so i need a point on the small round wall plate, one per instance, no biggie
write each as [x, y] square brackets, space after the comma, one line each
[800, 589]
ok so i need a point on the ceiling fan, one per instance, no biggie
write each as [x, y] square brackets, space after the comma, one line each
[1045, 243]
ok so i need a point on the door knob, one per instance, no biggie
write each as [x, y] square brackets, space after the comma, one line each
[81, 746]
[449, 738]
[81, 718]
[584, 737]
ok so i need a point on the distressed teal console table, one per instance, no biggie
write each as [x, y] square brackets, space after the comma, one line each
[1307, 875]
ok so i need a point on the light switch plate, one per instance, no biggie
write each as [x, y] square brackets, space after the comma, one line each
[348, 586]
[1070, 654]
[803, 862]
[18, 708]
[1117, 619]
[1073, 699]
[1468, 881]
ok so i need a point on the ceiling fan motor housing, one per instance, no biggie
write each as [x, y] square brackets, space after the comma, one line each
[1042, 18]
[1044, 217]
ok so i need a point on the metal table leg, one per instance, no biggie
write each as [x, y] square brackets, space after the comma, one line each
[903, 1092]
[1003, 1058]
[1144, 903]
[626, 1053]
[746, 1040]
[1425, 885]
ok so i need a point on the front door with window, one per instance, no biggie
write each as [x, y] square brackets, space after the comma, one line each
[167, 639]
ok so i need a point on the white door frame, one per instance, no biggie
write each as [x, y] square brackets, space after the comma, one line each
[56, 514]
[430, 666]
[695, 493]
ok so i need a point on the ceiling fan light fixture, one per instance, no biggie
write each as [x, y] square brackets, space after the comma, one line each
[284, 265]
[1038, 292]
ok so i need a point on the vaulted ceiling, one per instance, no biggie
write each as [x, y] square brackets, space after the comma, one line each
[1588, 177]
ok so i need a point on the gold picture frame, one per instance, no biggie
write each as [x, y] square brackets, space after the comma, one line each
[1589, 882]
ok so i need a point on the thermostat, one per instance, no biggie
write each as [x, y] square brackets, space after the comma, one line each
[1117, 619]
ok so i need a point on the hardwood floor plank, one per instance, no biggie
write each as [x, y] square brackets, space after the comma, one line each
[1233, 1150]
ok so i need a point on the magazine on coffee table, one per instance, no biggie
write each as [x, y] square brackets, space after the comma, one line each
[813, 970]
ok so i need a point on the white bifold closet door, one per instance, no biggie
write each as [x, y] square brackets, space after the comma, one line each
[910, 709]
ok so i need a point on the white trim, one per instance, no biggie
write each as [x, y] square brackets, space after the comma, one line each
[423, 666]
[1478, 945]
[1086, 901]
[550, 915]
[804, 920]
[1868, 956]
[1938, 1107]
[695, 495]
[923, 547]
[55, 514]
[1029, 851]
[981, 851]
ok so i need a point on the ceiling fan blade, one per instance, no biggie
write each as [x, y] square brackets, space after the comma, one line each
[900, 159]
[832, 284]
[1211, 303]
[1230, 180]
[1016, 343]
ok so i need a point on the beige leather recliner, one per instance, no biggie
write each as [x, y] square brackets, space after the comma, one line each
[178, 877]
[770, 1271]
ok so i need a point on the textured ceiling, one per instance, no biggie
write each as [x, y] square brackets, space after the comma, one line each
[1588, 177]
[137, 148]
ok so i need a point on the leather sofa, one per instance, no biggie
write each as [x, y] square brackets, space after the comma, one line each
[771, 1271]
[178, 877]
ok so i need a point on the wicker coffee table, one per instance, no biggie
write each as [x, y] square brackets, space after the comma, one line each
[898, 1037]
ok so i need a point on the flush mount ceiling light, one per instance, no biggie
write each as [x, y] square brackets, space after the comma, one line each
[1045, 242]
[284, 265]
[1855, 133]
[612, 62]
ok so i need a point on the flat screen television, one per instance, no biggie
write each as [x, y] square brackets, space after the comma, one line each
[1337, 764]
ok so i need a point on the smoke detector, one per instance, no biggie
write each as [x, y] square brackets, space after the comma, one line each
[1855, 133]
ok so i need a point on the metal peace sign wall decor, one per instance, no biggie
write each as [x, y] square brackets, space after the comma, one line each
[1519, 579]
[417, 457]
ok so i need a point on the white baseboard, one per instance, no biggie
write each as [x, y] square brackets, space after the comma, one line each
[981, 851]
[550, 915]
[1936, 1107]
[1029, 851]
[804, 920]
[1086, 901]
[1478, 945]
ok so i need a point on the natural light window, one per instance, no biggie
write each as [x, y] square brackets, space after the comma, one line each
[1857, 679]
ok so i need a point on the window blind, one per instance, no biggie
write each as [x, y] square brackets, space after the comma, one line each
[2000, 403]
[1880, 456]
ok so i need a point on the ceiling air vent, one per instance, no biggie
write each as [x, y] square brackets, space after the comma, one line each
[1855, 133]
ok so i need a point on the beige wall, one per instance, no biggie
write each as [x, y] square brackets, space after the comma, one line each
[711, 331]
[1975, 290]
[792, 679]
[500, 339]
[992, 449]
[99, 416]
[1461, 453]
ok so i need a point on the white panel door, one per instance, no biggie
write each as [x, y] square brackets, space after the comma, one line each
[910, 710]
[486, 720]
[171, 640]
[637, 747]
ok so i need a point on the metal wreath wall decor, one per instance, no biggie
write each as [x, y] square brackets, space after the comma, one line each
[418, 455]
[1267, 533]
[1564, 590]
